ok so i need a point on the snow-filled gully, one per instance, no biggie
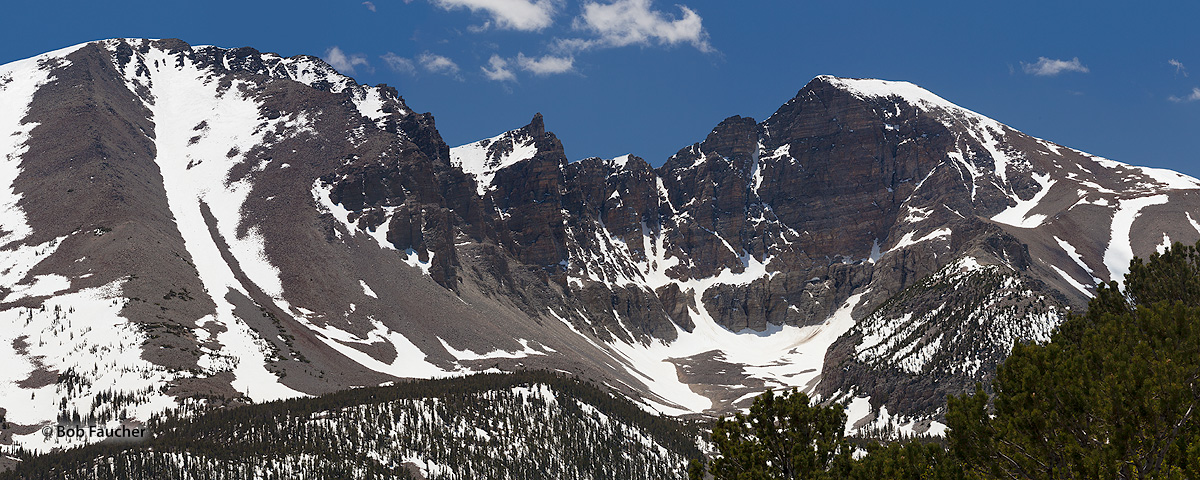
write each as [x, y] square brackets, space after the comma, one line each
[195, 175]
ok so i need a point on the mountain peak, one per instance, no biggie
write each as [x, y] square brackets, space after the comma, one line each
[734, 137]
[484, 158]
[873, 88]
[536, 127]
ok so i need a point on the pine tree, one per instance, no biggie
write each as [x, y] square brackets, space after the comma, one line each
[913, 459]
[781, 438]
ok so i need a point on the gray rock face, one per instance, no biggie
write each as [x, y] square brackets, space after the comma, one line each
[291, 231]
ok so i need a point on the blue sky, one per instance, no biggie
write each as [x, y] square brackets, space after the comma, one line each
[648, 77]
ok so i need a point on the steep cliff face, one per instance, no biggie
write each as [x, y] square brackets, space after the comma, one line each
[215, 225]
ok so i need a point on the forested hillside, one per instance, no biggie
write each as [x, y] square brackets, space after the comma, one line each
[529, 425]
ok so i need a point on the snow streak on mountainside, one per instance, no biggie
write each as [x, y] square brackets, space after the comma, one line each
[197, 123]
[221, 226]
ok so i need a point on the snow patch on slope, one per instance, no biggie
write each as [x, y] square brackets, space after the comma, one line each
[1170, 179]
[16, 260]
[371, 103]
[782, 356]
[83, 333]
[909, 92]
[1159, 178]
[413, 259]
[313, 71]
[467, 354]
[917, 214]
[1018, 215]
[1120, 251]
[484, 158]
[907, 240]
[320, 193]
[40, 286]
[1075, 256]
[367, 289]
[410, 361]
[1073, 282]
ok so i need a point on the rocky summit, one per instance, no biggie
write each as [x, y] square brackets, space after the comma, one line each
[193, 226]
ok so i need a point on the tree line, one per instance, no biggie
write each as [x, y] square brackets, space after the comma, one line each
[525, 425]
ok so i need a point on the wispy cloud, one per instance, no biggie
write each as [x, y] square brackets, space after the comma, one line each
[1195, 95]
[633, 22]
[502, 69]
[524, 15]
[370, 6]
[480, 28]
[546, 65]
[1048, 67]
[434, 63]
[399, 64]
[497, 69]
[344, 63]
[1179, 68]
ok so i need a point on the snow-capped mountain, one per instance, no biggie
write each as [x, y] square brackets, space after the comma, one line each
[204, 225]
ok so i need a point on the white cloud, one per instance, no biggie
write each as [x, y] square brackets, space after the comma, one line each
[632, 22]
[545, 65]
[1179, 68]
[480, 28]
[344, 63]
[438, 64]
[370, 6]
[1047, 67]
[498, 70]
[526, 15]
[399, 64]
[1190, 98]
